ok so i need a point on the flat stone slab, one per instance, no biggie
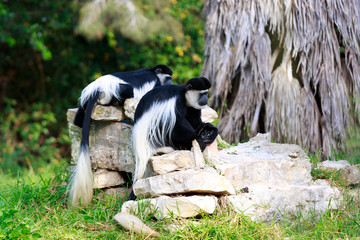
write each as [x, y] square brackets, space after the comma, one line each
[108, 113]
[166, 206]
[263, 162]
[208, 114]
[351, 174]
[269, 203]
[104, 178]
[174, 161]
[180, 182]
[110, 144]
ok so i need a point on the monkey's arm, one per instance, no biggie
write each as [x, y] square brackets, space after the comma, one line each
[183, 135]
[206, 131]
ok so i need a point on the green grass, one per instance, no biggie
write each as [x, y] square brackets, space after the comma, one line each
[35, 207]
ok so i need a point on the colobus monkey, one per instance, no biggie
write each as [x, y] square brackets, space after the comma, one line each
[117, 87]
[170, 116]
[108, 89]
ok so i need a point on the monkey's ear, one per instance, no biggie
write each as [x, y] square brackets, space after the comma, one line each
[188, 87]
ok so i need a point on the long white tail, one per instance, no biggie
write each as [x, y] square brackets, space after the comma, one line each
[81, 191]
[81, 182]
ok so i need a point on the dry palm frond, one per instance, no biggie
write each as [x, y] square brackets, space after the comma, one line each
[239, 64]
[284, 102]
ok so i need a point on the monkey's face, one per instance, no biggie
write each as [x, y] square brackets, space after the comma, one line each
[197, 99]
[165, 79]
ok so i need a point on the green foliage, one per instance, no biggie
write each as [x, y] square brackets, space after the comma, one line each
[45, 64]
[26, 138]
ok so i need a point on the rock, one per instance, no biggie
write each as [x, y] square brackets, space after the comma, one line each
[269, 203]
[108, 113]
[261, 137]
[188, 181]
[341, 164]
[263, 162]
[104, 178]
[110, 144]
[174, 161]
[273, 180]
[134, 224]
[130, 105]
[211, 152]
[351, 174]
[180, 206]
[198, 156]
[208, 115]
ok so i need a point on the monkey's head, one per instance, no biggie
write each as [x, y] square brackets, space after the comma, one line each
[197, 90]
[164, 74]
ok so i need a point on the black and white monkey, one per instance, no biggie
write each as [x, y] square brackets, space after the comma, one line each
[170, 116]
[106, 90]
[117, 87]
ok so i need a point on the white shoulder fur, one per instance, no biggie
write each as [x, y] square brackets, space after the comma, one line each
[147, 135]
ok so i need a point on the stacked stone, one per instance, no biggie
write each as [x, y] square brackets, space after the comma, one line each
[110, 144]
[259, 178]
[182, 185]
[274, 181]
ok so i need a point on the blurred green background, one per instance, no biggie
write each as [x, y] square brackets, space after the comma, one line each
[50, 50]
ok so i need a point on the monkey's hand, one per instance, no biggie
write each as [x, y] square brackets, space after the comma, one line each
[207, 132]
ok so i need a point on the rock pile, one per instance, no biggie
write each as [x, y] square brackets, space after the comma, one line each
[110, 143]
[259, 178]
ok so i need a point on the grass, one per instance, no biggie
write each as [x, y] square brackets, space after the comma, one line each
[35, 207]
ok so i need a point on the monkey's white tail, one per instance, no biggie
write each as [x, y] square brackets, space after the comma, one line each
[81, 191]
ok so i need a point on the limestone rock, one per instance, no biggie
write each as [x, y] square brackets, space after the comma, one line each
[110, 144]
[274, 202]
[337, 165]
[104, 178]
[351, 174]
[134, 224]
[180, 206]
[263, 162]
[108, 113]
[130, 107]
[208, 115]
[198, 156]
[261, 137]
[174, 161]
[188, 181]
[211, 152]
